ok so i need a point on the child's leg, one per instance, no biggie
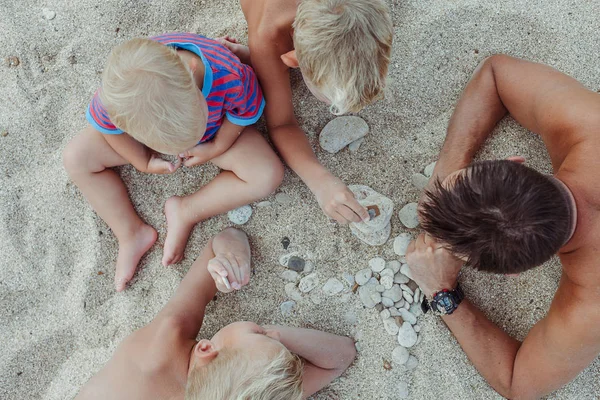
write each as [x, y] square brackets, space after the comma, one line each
[88, 159]
[252, 171]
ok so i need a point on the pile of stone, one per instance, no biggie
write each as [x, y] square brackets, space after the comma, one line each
[376, 231]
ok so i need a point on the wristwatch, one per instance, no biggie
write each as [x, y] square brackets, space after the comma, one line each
[444, 302]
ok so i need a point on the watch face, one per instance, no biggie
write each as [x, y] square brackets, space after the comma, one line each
[444, 304]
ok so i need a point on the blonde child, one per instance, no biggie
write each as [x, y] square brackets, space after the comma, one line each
[242, 361]
[180, 94]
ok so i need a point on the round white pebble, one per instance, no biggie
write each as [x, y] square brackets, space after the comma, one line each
[377, 264]
[401, 244]
[400, 355]
[409, 216]
[241, 215]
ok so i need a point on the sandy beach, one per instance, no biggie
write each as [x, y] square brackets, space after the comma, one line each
[60, 317]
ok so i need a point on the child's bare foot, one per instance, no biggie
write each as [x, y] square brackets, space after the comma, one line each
[178, 232]
[231, 264]
[131, 250]
[242, 52]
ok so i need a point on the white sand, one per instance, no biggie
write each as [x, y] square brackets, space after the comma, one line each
[60, 320]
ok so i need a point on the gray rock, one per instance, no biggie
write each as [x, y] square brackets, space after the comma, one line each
[401, 278]
[407, 316]
[342, 131]
[284, 259]
[406, 305]
[387, 272]
[399, 303]
[345, 297]
[417, 328]
[332, 287]
[292, 291]
[409, 216]
[315, 298]
[308, 283]
[376, 297]
[420, 181]
[408, 297]
[412, 362]
[364, 293]
[395, 293]
[401, 244]
[387, 282]
[48, 14]
[380, 288]
[385, 314]
[363, 276]
[390, 326]
[402, 390]
[241, 215]
[415, 308]
[400, 355]
[283, 198]
[309, 267]
[376, 238]
[372, 282]
[358, 346]
[387, 302]
[407, 337]
[263, 204]
[354, 146]
[296, 263]
[405, 288]
[417, 295]
[287, 308]
[429, 169]
[405, 270]
[290, 276]
[377, 264]
[393, 310]
[394, 265]
[349, 278]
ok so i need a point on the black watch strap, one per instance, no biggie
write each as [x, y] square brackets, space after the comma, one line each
[444, 302]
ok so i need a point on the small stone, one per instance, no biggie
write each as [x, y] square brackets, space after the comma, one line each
[409, 216]
[309, 267]
[408, 297]
[390, 326]
[387, 365]
[48, 14]
[379, 307]
[308, 283]
[364, 293]
[385, 314]
[342, 131]
[387, 302]
[417, 295]
[380, 288]
[402, 390]
[263, 204]
[417, 328]
[332, 287]
[344, 298]
[285, 242]
[296, 263]
[406, 305]
[405, 270]
[400, 355]
[407, 337]
[393, 310]
[377, 264]
[289, 275]
[401, 278]
[387, 272]
[415, 308]
[372, 282]
[387, 282]
[406, 288]
[292, 291]
[412, 362]
[376, 297]
[241, 215]
[408, 316]
[13, 61]
[3, 133]
[395, 293]
[287, 308]
[363, 276]
[358, 346]
[420, 181]
[375, 238]
[401, 244]
[283, 198]
[429, 169]
[315, 298]
[349, 278]
[419, 340]
[72, 59]
[393, 265]
[353, 147]
[399, 303]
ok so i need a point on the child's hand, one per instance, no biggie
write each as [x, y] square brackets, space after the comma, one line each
[156, 165]
[338, 202]
[199, 154]
[229, 272]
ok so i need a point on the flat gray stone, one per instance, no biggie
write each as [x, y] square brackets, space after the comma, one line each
[292, 291]
[412, 362]
[401, 244]
[395, 293]
[287, 308]
[385, 314]
[408, 215]
[402, 390]
[387, 282]
[364, 293]
[390, 326]
[404, 269]
[289, 275]
[393, 265]
[349, 278]
[380, 288]
[377, 264]
[428, 172]
[400, 355]
[241, 215]
[308, 283]
[407, 316]
[393, 310]
[283, 198]
[354, 146]
[263, 204]
[399, 303]
[401, 278]
[406, 288]
[407, 337]
[387, 272]
[342, 131]
[387, 302]
[415, 309]
[296, 263]
[408, 297]
[419, 181]
[363, 276]
[332, 287]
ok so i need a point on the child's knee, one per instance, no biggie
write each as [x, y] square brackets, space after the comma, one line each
[270, 175]
[71, 157]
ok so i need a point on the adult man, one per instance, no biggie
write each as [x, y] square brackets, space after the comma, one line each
[503, 217]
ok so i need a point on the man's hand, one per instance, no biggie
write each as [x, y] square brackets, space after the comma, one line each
[157, 165]
[229, 272]
[432, 267]
[338, 202]
[199, 154]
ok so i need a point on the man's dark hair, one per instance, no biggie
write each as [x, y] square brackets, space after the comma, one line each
[500, 215]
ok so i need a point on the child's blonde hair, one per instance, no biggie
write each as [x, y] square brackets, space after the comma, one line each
[343, 48]
[232, 375]
[150, 93]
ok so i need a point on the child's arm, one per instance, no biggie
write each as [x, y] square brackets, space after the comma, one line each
[327, 356]
[204, 152]
[141, 157]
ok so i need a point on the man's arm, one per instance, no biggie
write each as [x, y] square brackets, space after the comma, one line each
[326, 355]
[537, 96]
[336, 200]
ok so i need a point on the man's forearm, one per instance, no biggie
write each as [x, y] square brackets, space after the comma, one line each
[491, 350]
